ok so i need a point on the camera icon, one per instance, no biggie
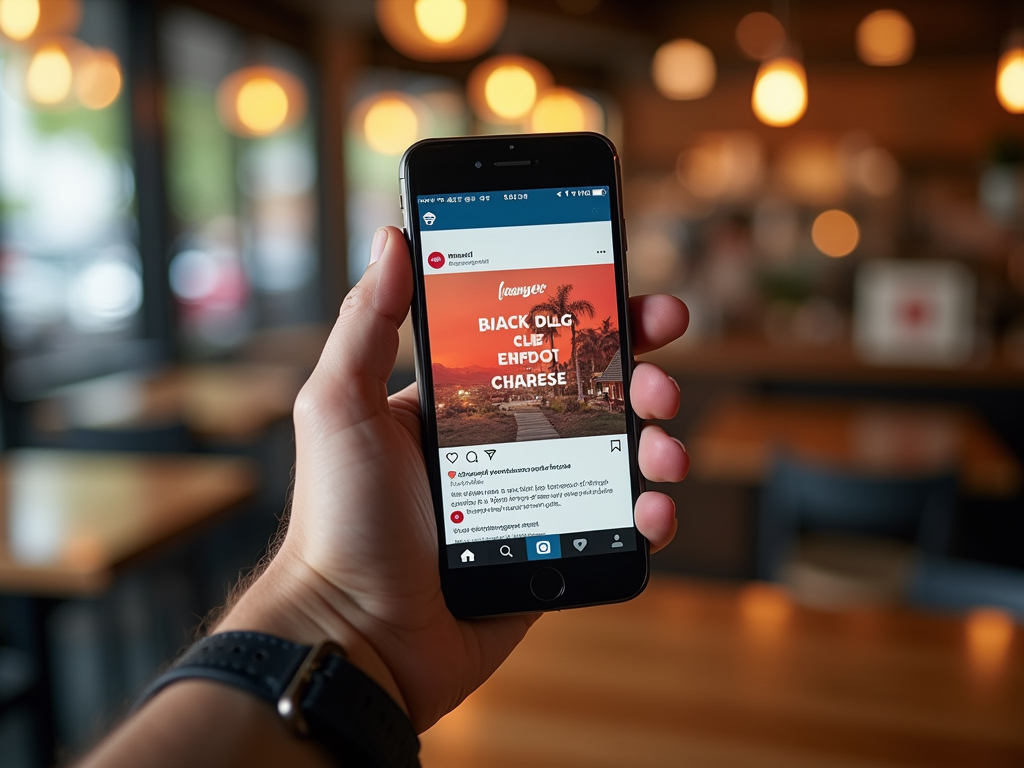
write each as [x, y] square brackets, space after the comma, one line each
[543, 547]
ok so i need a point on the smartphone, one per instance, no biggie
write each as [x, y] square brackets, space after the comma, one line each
[523, 360]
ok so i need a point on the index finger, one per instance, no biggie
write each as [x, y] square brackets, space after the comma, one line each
[657, 320]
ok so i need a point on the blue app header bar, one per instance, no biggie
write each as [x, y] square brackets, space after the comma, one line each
[514, 208]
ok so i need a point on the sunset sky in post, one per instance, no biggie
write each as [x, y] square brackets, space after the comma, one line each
[455, 302]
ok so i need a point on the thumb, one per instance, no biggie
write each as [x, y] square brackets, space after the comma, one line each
[351, 376]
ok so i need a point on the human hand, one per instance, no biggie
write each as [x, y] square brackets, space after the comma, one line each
[359, 561]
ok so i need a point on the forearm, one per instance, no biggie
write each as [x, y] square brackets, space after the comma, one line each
[198, 723]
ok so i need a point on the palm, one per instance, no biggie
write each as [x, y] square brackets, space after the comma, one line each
[381, 550]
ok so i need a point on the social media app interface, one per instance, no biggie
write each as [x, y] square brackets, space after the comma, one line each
[524, 340]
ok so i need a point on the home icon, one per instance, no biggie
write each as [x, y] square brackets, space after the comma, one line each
[468, 556]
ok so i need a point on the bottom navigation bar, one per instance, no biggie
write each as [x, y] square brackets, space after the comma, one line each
[553, 547]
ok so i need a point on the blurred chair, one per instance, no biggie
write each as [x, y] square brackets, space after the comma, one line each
[957, 585]
[172, 437]
[867, 528]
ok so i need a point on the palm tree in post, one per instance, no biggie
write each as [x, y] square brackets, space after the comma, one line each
[560, 305]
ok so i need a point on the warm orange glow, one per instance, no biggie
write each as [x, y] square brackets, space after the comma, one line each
[19, 18]
[441, 21]
[811, 170]
[760, 35]
[262, 105]
[780, 92]
[683, 70]
[441, 30]
[504, 89]
[835, 233]
[1010, 78]
[885, 39]
[390, 124]
[48, 79]
[875, 171]
[989, 636]
[98, 79]
[563, 109]
[722, 166]
[260, 101]
[765, 610]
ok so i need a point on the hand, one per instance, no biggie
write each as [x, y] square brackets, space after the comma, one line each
[359, 561]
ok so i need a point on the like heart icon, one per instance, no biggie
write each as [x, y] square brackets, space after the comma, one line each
[451, 474]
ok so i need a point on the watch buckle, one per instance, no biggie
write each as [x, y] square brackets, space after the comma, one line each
[288, 706]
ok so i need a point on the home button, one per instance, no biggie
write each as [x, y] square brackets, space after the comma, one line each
[547, 584]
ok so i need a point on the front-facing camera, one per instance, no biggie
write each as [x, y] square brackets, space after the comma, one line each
[478, 164]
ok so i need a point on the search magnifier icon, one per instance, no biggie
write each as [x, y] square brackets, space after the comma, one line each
[505, 550]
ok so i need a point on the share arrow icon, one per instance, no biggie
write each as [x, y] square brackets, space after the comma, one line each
[490, 452]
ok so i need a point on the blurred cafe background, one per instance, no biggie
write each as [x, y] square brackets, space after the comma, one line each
[188, 188]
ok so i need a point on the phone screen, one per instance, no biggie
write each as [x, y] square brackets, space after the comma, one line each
[522, 317]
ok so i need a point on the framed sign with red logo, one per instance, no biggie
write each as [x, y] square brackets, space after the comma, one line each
[914, 313]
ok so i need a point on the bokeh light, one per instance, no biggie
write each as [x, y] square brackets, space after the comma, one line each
[885, 39]
[260, 101]
[19, 18]
[441, 21]
[760, 35]
[811, 170]
[1010, 77]
[563, 110]
[780, 92]
[835, 233]
[390, 124]
[262, 105]
[504, 89]
[722, 166]
[875, 171]
[98, 79]
[49, 75]
[441, 30]
[683, 70]
[765, 610]
[989, 636]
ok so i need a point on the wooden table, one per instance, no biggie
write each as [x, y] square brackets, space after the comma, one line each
[69, 521]
[736, 439]
[223, 401]
[709, 676]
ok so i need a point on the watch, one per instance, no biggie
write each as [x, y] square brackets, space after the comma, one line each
[315, 689]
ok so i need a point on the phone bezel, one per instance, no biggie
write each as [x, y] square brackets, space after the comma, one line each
[439, 166]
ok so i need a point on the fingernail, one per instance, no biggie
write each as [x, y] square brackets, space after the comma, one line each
[680, 443]
[672, 379]
[380, 239]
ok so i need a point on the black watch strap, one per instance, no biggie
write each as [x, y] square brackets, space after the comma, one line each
[314, 688]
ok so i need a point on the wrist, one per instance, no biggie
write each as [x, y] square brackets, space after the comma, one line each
[285, 602]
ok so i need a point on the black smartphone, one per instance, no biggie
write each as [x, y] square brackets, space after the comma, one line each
[523, 360]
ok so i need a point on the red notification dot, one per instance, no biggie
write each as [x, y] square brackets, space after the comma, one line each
[457, 517]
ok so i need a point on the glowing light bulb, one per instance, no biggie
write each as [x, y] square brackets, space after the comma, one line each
[390, 125]
[49, 75]
[98, 80]
[835, 233]
[19, 18]
[885, 39]
[440, 21]
[683, 69]
[780, 92]
[1010, 79]
[262, 105]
